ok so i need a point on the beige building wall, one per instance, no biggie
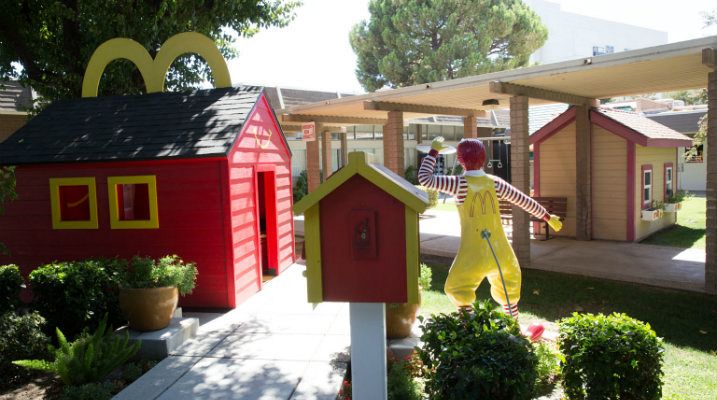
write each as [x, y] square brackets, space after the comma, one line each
[609, 185]
[9, 123]
[657, 157]
[557, 172]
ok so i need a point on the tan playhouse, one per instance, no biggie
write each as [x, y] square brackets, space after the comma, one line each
[633, 172]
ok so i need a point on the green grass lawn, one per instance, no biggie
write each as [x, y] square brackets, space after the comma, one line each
[689, 232]
[687, 321]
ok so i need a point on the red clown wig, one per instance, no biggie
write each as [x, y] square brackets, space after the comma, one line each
[471, 154]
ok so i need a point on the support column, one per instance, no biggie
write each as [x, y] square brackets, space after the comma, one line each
[344, 147]
[520, 175]
[313, 164]
[711, 239]
[326, 153]
[470, 127]
[393, 158]
[583, 185]
[419, 134]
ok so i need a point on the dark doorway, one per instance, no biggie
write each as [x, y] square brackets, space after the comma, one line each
[266, 201]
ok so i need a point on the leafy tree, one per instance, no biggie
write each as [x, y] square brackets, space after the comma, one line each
[690, 97]
[407, 42]
[53, 40]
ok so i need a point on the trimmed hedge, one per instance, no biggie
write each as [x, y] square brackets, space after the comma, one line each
[610, 357]
[10, 284]
[74, 295]
[477, 354]
[21, 336]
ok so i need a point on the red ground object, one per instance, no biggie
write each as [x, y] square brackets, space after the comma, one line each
[210, 210]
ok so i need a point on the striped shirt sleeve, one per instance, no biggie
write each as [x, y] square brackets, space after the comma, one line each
[446, 184]
[506, 191]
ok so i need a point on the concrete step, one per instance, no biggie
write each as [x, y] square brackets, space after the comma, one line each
[159, 344]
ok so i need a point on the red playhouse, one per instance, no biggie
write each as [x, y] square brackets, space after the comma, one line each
[205, 175]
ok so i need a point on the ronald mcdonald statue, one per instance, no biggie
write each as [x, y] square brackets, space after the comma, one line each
[484, 250]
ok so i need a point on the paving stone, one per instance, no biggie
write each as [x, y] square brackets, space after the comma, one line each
[321, 381]
[157, 379]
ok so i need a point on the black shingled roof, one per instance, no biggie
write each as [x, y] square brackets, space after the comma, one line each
[203, 123]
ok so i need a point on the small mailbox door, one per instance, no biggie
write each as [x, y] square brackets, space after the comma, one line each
[363, 233]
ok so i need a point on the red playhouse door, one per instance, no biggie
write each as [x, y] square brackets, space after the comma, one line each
[267, 219]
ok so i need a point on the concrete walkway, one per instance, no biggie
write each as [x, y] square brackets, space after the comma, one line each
[274, 346]
[663, 266]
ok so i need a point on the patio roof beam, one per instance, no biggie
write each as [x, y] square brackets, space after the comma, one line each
[421, 109]
[332, 120]
[538, 93]
[709, 57]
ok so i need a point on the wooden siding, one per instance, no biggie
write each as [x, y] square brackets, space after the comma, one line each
[657, 157]
[9, 124]
[259, 147]
[609, 192]
[557, 172]
[190, 221]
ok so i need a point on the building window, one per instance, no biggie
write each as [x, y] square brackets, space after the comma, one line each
[669, 187]
[646, 186]
[73, 202]
[133, 202]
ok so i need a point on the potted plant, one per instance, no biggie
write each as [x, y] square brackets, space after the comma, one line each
[150, 290]
[674, 201]
[654, 212]
[401, 316]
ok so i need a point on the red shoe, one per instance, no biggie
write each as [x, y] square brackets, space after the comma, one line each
[534, 332]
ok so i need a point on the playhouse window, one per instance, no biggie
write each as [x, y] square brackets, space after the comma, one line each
[73, 203]
[669, 191]
[133, 202]
[646, 186]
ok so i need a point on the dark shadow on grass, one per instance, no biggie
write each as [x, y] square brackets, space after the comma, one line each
[680, 317]
[676, 236]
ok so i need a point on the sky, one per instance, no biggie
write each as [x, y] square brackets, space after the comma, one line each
[313, 51]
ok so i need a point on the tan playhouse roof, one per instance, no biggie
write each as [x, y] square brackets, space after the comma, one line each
[655, 69]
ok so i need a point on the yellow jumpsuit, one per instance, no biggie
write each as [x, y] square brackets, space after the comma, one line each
[474, 261]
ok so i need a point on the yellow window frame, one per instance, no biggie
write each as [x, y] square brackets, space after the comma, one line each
[57, 222]
[151, 182]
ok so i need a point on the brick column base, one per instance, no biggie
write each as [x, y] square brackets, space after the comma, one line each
[326, 164]
[470, 127]
[519, 167]
[393, 154]
[313, 164]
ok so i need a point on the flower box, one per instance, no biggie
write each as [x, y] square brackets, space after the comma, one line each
[651, 215]
[673, 207]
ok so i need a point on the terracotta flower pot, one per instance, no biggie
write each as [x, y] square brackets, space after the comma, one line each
[148, 309]
[400, 318]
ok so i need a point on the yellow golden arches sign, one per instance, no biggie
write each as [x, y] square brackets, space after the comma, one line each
[154, 72]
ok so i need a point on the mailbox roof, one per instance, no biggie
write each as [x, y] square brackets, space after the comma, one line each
[387, 180]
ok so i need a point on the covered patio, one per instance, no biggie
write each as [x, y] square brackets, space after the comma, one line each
[677, 66]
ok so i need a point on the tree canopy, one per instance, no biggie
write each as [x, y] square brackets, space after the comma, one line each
[53, 40]
[407, 42]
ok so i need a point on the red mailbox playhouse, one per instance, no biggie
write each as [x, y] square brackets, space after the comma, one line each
[361, 228]
[205, 175]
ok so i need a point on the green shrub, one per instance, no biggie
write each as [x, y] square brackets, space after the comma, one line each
[432, 195]
[425, 279]
[88, 391]
[21, 336]
[145, 272]
[88, 359]
[74, 295]
[610, 357]
[301, 186]
[411, 174]
[401, 385]
[477, 354]
[548, 368]
[10, 284]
